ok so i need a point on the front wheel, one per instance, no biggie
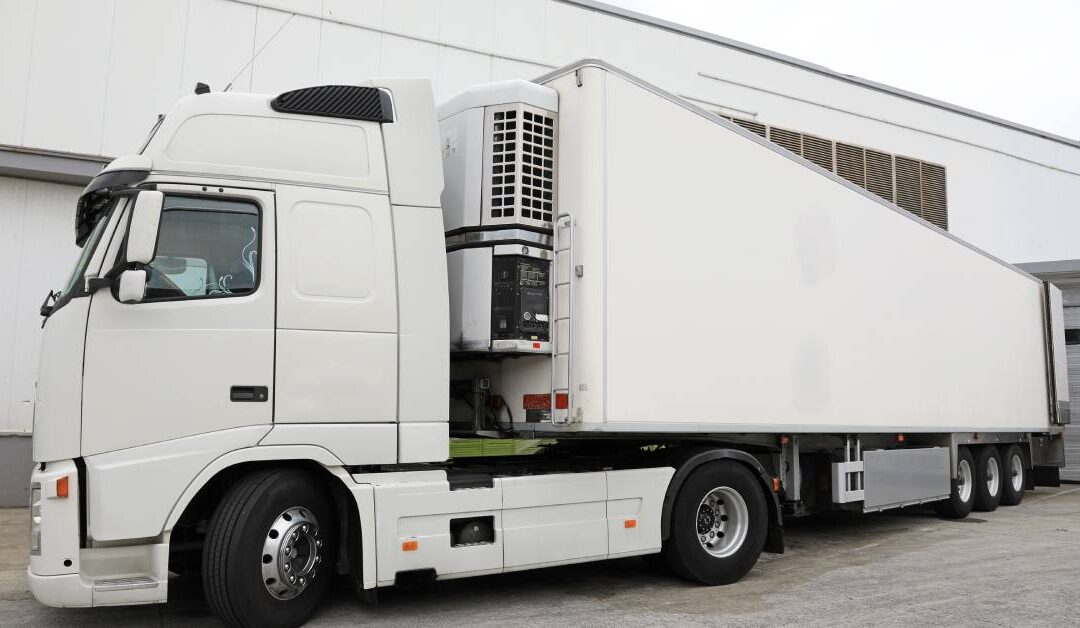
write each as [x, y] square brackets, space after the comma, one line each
[718, 524]
[270, 549]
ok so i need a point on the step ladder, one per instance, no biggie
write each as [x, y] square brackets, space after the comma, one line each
[563, 272]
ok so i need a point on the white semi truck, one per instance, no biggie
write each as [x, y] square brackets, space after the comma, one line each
[301, 325]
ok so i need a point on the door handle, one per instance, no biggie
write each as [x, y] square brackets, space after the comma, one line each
[249, 393]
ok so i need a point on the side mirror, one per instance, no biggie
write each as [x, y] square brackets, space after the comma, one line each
[132, 287]
[143, 230]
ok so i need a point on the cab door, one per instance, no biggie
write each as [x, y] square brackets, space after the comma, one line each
[196, 355]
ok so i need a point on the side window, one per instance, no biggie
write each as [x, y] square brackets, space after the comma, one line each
[206, 248]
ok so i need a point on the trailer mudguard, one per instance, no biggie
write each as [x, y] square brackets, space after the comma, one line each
[685, 460]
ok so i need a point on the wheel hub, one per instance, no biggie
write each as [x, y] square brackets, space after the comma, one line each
[292, 553]
[722, 521]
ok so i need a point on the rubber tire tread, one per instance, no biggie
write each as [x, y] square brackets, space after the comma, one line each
[1008, 496]
[216, 548]
[984, 501]
[953, 508]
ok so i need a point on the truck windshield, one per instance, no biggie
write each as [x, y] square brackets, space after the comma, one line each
[73, 283]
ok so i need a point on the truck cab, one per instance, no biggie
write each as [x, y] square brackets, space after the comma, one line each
[266, 270]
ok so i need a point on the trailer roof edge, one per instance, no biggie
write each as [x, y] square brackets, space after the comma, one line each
[708, 115]
[689, 31]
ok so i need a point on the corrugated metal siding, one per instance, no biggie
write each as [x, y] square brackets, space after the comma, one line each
[1071, 471]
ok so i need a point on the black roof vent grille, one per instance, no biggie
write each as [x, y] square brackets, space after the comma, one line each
[338, 101]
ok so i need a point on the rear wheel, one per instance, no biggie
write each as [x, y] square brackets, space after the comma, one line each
[270, 548]
[1012, 463]
[962, 500]
[988, 478]
[718, 524]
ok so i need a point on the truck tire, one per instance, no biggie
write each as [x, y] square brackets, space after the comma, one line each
[1013, 476]
[270, 550]
[718, 524]
[988, 478]
[962, 500]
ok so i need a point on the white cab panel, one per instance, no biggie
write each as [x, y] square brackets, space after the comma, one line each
[421, 512]
[637, 496]
[336, 260]
[423, 442]
[165, 369]
[413, 160]
[336, 377]
[134, 490]
[371, 443]
[239, 136]
[539, 520]
[59, 388]
[554, 519]
[422, 303]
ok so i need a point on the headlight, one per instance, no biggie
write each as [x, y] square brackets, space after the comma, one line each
[35, 519]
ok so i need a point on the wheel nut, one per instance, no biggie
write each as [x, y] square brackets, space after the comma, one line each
[292, 579]
[305, 528]
[318, 543]
[288, 566]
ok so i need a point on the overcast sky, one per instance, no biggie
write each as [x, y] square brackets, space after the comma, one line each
[1019, 60]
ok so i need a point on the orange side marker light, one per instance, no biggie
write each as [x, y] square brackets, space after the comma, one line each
[776, 485]
[410, 546]
[629, 523]
[62, 486]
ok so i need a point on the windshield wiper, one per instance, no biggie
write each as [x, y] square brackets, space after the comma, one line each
[47, 308]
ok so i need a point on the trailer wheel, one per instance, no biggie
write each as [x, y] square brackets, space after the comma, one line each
[1013, 476]
[270, 550]
[718, 524]
[988, 478]
[962, 500]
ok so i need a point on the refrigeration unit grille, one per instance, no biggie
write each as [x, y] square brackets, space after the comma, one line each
[914, 185]
[519, 186]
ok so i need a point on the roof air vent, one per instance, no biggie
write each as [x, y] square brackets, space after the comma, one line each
[338, 101]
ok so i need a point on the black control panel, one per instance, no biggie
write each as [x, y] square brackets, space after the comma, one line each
[520, 294]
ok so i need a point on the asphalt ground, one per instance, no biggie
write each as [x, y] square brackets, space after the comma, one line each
[1017, 566]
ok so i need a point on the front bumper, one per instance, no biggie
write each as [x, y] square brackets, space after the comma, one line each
[64, 591]
[64, 575]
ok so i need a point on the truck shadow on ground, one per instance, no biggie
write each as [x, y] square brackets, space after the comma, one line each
[812, 543]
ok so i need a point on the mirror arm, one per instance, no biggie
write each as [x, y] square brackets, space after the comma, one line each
[93, 284]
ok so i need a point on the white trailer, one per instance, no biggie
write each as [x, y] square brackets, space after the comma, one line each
[302, 325]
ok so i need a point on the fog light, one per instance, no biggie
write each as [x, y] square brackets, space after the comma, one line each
[35, 519]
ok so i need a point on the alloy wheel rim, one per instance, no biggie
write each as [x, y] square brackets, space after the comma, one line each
[1016, 472]
[292, 553]
[993, 476]
[722, 522]
[963, 480]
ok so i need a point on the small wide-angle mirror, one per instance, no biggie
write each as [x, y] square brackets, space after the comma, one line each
[132, 287]
[143, 231]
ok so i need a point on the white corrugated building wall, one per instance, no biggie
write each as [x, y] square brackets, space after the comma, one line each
[82, 81]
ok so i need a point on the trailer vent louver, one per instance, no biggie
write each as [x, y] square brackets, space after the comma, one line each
[818, 151]
[851, 163]
[914, 185]
[520, 165]
[879, 175]
[337, 101]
